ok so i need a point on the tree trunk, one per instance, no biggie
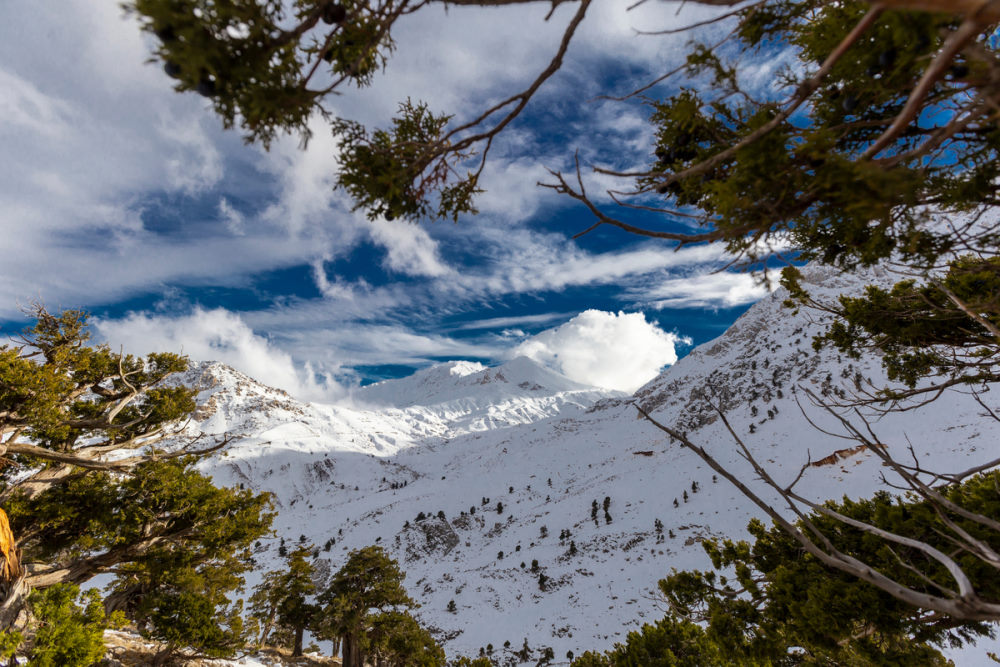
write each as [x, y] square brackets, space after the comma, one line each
[268, 624]
[14, 600]
[351, 657]
[14, 587]
[297, 648]
[335, 648]
[163, 656]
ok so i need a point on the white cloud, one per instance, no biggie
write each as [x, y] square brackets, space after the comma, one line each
[25, 107]
[410, 249]
[218, 335]
[233, 219]
[98, 141]
[706, 291]
[194, 164]
[306, 199]
[511, 321]
[621, 351]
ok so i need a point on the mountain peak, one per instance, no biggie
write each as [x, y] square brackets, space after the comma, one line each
[467, 380]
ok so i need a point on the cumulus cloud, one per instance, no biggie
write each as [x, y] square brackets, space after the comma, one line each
[218, 335]
[617, 351]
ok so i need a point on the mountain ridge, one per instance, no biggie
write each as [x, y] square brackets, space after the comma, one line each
[501, 482]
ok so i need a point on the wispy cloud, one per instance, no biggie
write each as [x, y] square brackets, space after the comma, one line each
[517, 320]
[114, 186]
[710, 290]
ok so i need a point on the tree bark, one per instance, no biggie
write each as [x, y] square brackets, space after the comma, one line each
[14, 601]
[297, 648]
[351, 657]
[268, 624]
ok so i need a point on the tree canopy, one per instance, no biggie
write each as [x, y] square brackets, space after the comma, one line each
[364, 605]
[769, 602]
[88, 490]
[883, 115]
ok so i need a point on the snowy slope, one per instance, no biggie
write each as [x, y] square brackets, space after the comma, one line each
[452, 436]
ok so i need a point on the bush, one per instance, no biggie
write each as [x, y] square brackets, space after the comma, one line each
[68, 634]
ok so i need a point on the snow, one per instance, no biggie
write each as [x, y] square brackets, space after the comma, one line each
[547, 447]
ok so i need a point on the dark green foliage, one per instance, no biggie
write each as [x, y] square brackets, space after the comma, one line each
[667, 643]
[239, 55]
[392, 173]
[804, 176]
[50, 401]
[396, 639]
[481, 661]
[179, 558]
[780, 597]
[367, 586]
[70, 627]
[176, 544]
[162, 510]
[294, 611]
[922, 330]
[280, 603]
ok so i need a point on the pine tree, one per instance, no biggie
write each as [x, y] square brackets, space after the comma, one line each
[176, 543]
[369, 584]
[281, 601]
[395, 639]
[790, 592]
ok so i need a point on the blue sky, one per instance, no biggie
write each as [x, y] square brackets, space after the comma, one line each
[121, 197]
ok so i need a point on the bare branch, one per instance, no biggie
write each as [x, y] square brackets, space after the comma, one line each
[955, 42]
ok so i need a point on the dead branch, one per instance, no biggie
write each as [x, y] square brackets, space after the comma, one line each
[967, 606]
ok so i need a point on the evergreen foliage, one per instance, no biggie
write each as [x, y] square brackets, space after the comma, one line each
[784, 607]
[69, 628]
[943, 329]
[176, 543]
[280, 604]
[369, 585]
[397, 640]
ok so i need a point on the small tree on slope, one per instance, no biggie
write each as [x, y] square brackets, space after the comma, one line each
[280, 602]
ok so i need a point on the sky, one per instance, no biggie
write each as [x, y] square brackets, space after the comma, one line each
[126, 199]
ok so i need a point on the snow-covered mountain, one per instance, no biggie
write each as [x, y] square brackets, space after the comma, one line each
[507, 463]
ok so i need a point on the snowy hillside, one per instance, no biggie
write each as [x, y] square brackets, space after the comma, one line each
[508, 462]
